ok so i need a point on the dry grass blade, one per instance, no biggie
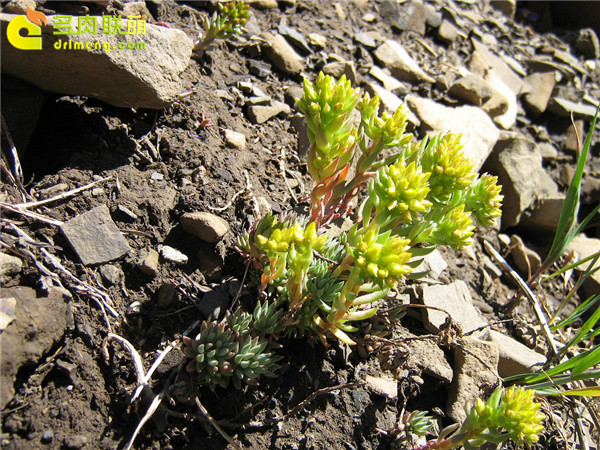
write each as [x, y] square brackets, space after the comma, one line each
[60, 196]
[217, 427]
[528, 293]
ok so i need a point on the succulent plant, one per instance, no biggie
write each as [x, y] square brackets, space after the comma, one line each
[421, 195]
[212, 352]
[508, 413]
[229, 352]
[229, 20]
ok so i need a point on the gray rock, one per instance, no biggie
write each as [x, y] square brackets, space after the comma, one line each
[544, 213]
[537, 90]
[454, 298]
[583, 247]
[393, 56]
[548, 151]
[365, 39]
[166, 295]
[338, 68]
[298, 121]
[471, 89]
[235, 139]
[479, 134]
[259, 68]
[264, 4]
[514, 357]
[506, 7]
[519, 169]
[148, 77]
[412, 17]
[67, 369]
[389, 101]
[206, 226]
[447, 32]
[575, 137]
[7, 311]
[47, 436]
[111, 274]
[148, 262]
[382, 386]
[587, 43]
[409, 16]
[563, 108]
[526, 260]
[260, 114]
[292, 93]
[10, 265]
[501, 77]
[475, 364]
[433, 17]
[173, 255]
[43, 321]
[214, 304]
[317, 40]
[95, 237]
[53, 190]
[434, 264]
[427, 356]
[390, 83]
[282, 54]
[19, 6]
[294, 36]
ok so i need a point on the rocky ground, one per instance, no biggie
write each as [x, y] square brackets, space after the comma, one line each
[174, 153]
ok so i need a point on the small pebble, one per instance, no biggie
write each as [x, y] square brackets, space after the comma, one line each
[173, 255]
[166, 295]
[47, 437]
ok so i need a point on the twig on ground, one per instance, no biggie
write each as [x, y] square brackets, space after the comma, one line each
[17, 172]
[300, 406]
[101, 299]
[426, 47]
[579, 426]
[153, 150]
[32, 215]
[149, 413]
[282, 170]
[11, 178]
[239, 292]
[61, 196]
[537, 308]
[247, 188]
[216, 426]
[135, 356]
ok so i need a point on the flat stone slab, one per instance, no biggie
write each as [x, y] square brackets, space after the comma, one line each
[95, 237]
[515, 358]
[479, 134]
[475, 365]
[454, 298]
[126, 70]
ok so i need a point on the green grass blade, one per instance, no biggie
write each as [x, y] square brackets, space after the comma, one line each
[570, 209]
[559, 381]
[593, 256]
[590, 359]
[582, 333]
[585, 358]
[578, 312]
[592, 391]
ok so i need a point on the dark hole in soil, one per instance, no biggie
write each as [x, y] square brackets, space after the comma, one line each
[74, 133]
